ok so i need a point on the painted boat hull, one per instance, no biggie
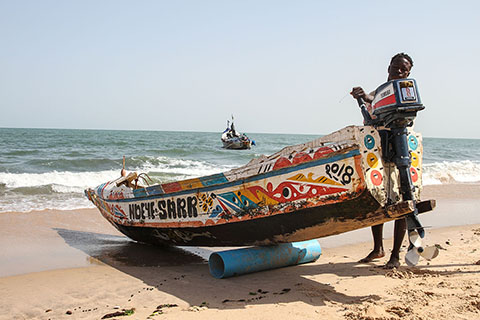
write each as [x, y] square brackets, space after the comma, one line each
[328, 186]
[301, 225]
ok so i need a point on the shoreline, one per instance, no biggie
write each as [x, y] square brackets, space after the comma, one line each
[67, 238]
[75, 265]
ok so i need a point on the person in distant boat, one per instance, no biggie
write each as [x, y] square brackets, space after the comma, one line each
[399, 68]
[232, 130]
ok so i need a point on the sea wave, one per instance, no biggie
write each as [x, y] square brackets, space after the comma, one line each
[64, 190]
[163, 169]
[51, 182]
[449, 172]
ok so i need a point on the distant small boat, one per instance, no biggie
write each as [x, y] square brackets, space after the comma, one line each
[232, 139]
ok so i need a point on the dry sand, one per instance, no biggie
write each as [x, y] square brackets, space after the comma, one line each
[74, 265]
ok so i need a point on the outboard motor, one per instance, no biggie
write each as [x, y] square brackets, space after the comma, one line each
[395, 103]
[393, 109]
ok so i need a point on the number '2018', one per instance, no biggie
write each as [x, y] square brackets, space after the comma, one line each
[342, 174]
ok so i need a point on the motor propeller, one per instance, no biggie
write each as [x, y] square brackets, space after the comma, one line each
[416, 250]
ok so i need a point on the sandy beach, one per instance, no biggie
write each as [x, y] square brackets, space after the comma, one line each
[75, 265]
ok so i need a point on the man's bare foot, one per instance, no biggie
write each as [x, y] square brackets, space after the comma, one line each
[394, 262]
[372, 256]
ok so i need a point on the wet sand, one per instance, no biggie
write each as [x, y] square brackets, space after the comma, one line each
[75, 265]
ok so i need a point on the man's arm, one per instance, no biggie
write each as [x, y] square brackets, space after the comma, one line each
[358, 92]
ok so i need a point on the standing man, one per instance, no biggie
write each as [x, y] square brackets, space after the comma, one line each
[399, 68]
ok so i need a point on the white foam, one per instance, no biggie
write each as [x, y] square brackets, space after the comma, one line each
[29, 203]
[68, 186]
[68, 182]
[60, 181]
[446, 172]
[189, 168]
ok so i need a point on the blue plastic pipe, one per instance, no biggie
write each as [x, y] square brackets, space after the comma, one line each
[224, 264]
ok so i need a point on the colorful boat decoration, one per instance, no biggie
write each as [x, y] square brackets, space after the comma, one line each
[353, 178]
[331, 185]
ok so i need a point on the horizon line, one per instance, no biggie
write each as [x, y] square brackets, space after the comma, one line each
[103, 129]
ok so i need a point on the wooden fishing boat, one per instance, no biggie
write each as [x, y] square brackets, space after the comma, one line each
[240, 142]
[353, 178]
[232, 139]
[334, 184]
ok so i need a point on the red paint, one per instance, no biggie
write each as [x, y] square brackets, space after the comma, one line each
[414, 174]
[376, 177]
[171, 187]
[281, 163]
[301, 157]
[386, 101]
[291, 191]
[322, 152]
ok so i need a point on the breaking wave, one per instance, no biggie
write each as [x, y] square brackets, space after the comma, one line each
[449, 172]
[64, 190]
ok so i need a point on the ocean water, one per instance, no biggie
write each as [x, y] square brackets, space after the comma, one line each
[49, 168]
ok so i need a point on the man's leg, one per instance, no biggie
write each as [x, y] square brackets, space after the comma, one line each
[398, 235]
[377, 252]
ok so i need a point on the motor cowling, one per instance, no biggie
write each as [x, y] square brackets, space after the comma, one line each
[395, 101]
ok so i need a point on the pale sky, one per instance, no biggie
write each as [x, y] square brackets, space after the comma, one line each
[278, 66]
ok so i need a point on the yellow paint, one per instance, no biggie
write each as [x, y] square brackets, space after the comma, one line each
[415, 159]
[323, 180]
[372, 160]
[191, 184]
[205, 201]
[263, 199]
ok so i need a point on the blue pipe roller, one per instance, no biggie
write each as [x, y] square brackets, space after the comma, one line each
[224, 264]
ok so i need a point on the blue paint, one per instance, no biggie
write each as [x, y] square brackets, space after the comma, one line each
[153, 190]
[99, 190]
[118, 213]
[148, 191]
[212, 180]
[369, 141]
[412, 142]
[139, 193]
[224, 264]
[235, 202]
[216, 211]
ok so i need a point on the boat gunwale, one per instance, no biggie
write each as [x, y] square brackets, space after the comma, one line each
[349, 152]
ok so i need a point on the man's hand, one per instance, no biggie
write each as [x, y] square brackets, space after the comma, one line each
[357, 92]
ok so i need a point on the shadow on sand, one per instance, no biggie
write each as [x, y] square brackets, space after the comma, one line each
[120, 251]
[185, 274]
